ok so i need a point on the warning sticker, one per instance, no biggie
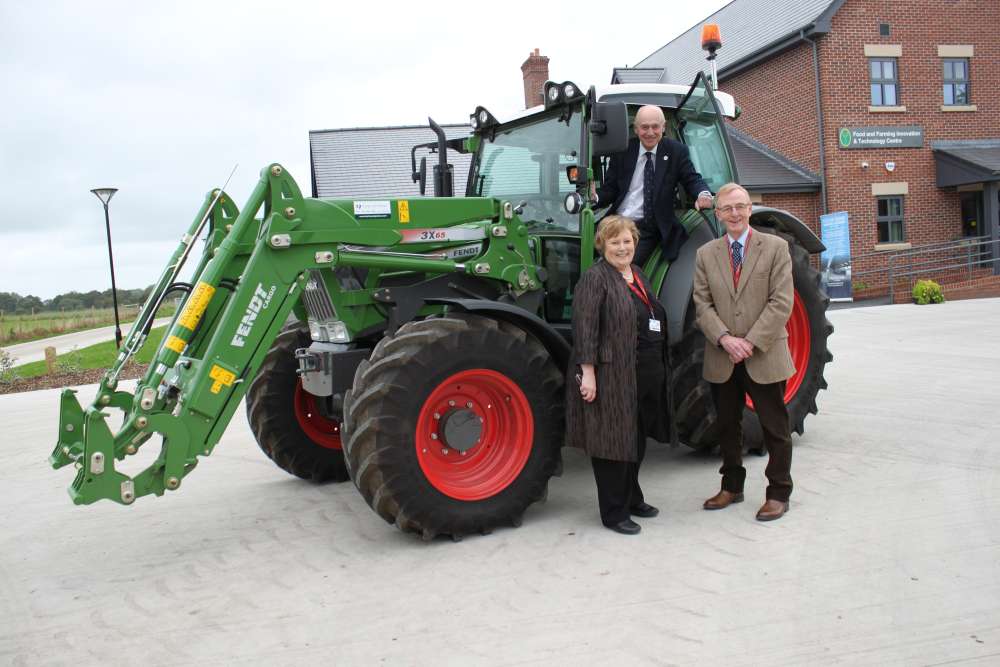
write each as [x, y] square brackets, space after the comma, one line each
[174, 343]
[222, 377]
[404, 210]
[196, 305]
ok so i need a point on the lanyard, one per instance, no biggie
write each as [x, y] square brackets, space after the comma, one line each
[640, 292]
[738, 269]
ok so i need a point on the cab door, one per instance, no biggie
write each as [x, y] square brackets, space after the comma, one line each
[702, 128]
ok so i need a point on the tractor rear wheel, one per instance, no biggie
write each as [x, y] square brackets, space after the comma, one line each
[693, 408]
[454, 425]
[287, 421]
[808, 330]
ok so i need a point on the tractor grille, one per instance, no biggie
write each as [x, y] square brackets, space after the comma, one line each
[317, 300]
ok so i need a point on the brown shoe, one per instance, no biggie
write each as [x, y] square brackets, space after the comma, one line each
[723, 499]
[771, 510]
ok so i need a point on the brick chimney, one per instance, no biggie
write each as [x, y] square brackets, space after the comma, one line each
[535, 71]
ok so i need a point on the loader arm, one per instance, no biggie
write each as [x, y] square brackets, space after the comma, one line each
[249, 279]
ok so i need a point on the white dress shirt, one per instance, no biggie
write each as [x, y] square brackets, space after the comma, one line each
[632, 204]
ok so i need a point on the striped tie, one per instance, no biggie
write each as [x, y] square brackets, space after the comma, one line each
[647, 189]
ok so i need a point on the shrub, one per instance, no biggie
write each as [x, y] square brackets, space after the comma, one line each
[71, 362]
[6, 366]
[927, 291]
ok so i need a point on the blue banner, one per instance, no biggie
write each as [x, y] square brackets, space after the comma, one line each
[835, 262]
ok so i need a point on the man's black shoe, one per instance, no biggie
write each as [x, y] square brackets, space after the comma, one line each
[626, 527]
[644, 511]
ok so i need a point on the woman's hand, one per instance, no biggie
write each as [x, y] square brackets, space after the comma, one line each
[588, 383]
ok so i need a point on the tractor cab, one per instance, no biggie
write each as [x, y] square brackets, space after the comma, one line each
[544, 160]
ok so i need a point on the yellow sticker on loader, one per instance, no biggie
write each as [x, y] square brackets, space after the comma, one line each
[222, 378]
[196, 305]
[404, 210]
[175, 344]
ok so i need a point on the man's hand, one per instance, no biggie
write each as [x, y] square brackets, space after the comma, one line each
[593, 193]
[704, 201]
[739, 349]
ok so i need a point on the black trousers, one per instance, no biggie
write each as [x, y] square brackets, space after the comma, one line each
[618, 489]
[769, 403]
[649, 238]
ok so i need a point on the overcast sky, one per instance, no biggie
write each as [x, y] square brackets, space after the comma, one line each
[162, 101]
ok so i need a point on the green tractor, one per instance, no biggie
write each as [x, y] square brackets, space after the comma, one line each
[418, 346]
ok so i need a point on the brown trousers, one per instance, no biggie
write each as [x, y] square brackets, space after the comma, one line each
[769, 403]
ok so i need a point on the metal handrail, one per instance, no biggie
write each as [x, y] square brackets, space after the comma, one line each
[981, 248]
[921, 248]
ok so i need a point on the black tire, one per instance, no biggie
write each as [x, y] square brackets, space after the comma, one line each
[388, 425]
[690, 395]
[814, 303]
[694, 411]
[273, 401]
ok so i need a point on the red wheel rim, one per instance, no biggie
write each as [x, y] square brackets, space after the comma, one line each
[507, 430]
[799, 344]
[323, 431]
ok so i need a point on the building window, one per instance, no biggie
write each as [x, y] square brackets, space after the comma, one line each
[884, 82]
[956, 81]
[890, 220]
[883, 29]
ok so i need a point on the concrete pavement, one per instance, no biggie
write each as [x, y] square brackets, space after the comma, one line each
[25, 353]
[890, 554]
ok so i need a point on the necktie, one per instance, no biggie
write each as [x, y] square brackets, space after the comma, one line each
[647, 189]
[737, 255]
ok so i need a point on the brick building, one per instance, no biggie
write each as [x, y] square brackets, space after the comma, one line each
[894, 105]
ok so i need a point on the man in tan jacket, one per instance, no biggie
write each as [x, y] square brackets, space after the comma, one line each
[743, 297]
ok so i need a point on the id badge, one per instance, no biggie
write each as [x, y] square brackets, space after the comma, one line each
[654, 325]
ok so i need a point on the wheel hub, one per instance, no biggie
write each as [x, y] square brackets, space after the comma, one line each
[474, 434]
[461, 429]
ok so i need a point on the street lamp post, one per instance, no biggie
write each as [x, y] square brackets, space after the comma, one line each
[105, 195]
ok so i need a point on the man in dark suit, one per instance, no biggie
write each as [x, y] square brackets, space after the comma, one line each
[743, 295]
[640, 184]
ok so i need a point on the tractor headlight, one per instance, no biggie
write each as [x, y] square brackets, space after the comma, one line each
[569, 91]
[329, 331]
[482, 119]
[552, 94]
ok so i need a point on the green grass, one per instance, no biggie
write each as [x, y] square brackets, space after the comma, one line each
[97, 356]
[26, 328]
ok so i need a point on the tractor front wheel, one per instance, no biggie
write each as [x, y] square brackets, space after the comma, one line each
[287, 420]
[454, 425]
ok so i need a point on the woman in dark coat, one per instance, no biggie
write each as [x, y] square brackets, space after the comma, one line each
[616, 392]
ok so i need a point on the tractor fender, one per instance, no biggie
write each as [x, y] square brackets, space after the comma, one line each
[553, 341]
[783, 221]
[675, 294]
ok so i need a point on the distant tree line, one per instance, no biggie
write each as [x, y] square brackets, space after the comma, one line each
[12, 303]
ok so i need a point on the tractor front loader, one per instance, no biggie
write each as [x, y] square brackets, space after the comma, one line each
[360, 267]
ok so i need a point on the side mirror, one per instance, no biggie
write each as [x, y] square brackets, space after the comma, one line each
[423, 176]
[609, 128]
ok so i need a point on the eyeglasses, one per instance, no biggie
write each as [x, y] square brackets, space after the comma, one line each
[726, 210]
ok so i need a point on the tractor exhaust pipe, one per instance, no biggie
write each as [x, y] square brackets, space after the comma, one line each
[443, 181]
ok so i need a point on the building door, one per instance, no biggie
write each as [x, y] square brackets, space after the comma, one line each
[972, 214]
